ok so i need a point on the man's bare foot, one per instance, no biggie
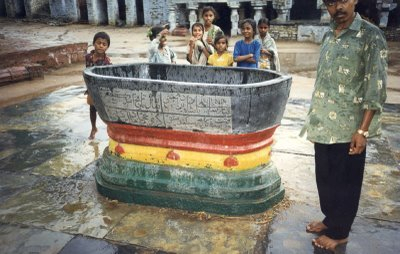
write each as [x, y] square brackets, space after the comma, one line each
[328, 243]
[92, 133]
[316, 227]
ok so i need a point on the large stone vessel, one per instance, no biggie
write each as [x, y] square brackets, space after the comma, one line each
[190, 137]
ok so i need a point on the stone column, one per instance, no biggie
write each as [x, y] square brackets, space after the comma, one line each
[384, 7]
[257, 13]
[234, 17]
[283, 8]
[113, 12]
[325, 17]
[172, 17]
[131, 15]
[192, 13]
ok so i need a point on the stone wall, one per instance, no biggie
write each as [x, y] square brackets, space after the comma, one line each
[392, 33]
[311, 33]
[51, 57]
[286, 32]
[155, 12]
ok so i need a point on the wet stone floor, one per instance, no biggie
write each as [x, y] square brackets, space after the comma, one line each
[49, 202]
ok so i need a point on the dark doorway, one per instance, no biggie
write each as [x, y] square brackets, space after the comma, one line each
[122, 10]
[270, 12]
[247, 10]
[83, 12]
[224, 16]
[19, 6]
[367, 9]
[305, 10]
[3, 12]
[140, 12]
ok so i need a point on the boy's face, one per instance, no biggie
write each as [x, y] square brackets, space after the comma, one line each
[221, 45]
[163, 42]
[263, 29]
[100, 46]
[197, 32]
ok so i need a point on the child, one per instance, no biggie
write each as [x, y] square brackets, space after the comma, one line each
[210, 30]
[159, 52]
[269, 53]
[247, 51]
[197, 51]
[96, 57]
[221, 57]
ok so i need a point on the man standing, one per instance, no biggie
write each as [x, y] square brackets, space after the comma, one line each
[346, 108]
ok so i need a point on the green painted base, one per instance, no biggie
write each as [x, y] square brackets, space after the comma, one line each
[229, 193]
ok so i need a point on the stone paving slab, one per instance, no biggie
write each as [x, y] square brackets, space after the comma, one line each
[288, 235]
[183, 232]
[64, 205]
[21, 240]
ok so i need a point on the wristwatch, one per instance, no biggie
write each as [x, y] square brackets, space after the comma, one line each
[364, 133]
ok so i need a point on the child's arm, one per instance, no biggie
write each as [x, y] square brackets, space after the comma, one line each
[191, 48]
[237, 57]
[173, 56]
[204, 49]
[210, 60]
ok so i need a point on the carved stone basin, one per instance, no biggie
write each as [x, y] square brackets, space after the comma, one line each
[189, 137]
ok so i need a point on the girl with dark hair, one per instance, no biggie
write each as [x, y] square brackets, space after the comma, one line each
[247, 51]
[221, 57]
[198, 51]
[209, 14]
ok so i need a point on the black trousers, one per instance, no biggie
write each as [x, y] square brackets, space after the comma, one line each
[339, 180]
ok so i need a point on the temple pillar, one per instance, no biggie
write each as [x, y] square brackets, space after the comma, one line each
[234, 18]
[384, 7]
[283, 8]
[325, 17]
[257, 13]
[172, 17]
[192, 13]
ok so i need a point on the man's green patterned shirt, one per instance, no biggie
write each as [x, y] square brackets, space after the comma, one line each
[351, 77]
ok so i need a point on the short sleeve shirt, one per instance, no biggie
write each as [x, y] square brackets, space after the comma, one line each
[242, 48]
[351, 78]
[226, 59]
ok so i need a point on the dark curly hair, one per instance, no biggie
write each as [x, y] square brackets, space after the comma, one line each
[102, 35]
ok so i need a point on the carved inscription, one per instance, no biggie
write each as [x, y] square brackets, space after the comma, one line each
[168, 110]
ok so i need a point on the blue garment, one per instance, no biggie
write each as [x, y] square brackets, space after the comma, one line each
[242, 48]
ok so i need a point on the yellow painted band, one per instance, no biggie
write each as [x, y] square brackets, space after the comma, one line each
[189, 159]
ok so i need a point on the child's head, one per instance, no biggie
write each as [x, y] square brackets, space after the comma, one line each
[197, 30]
[209, 15]
[221, 43]
[101, 42]
[248, 28]
[263, 26]
[155, 30]
[163, 41]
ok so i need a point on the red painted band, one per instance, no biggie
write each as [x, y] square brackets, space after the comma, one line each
[192, 141]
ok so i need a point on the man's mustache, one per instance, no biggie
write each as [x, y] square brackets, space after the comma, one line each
[339, 13]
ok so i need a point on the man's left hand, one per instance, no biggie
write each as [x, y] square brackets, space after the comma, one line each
[358, 144]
